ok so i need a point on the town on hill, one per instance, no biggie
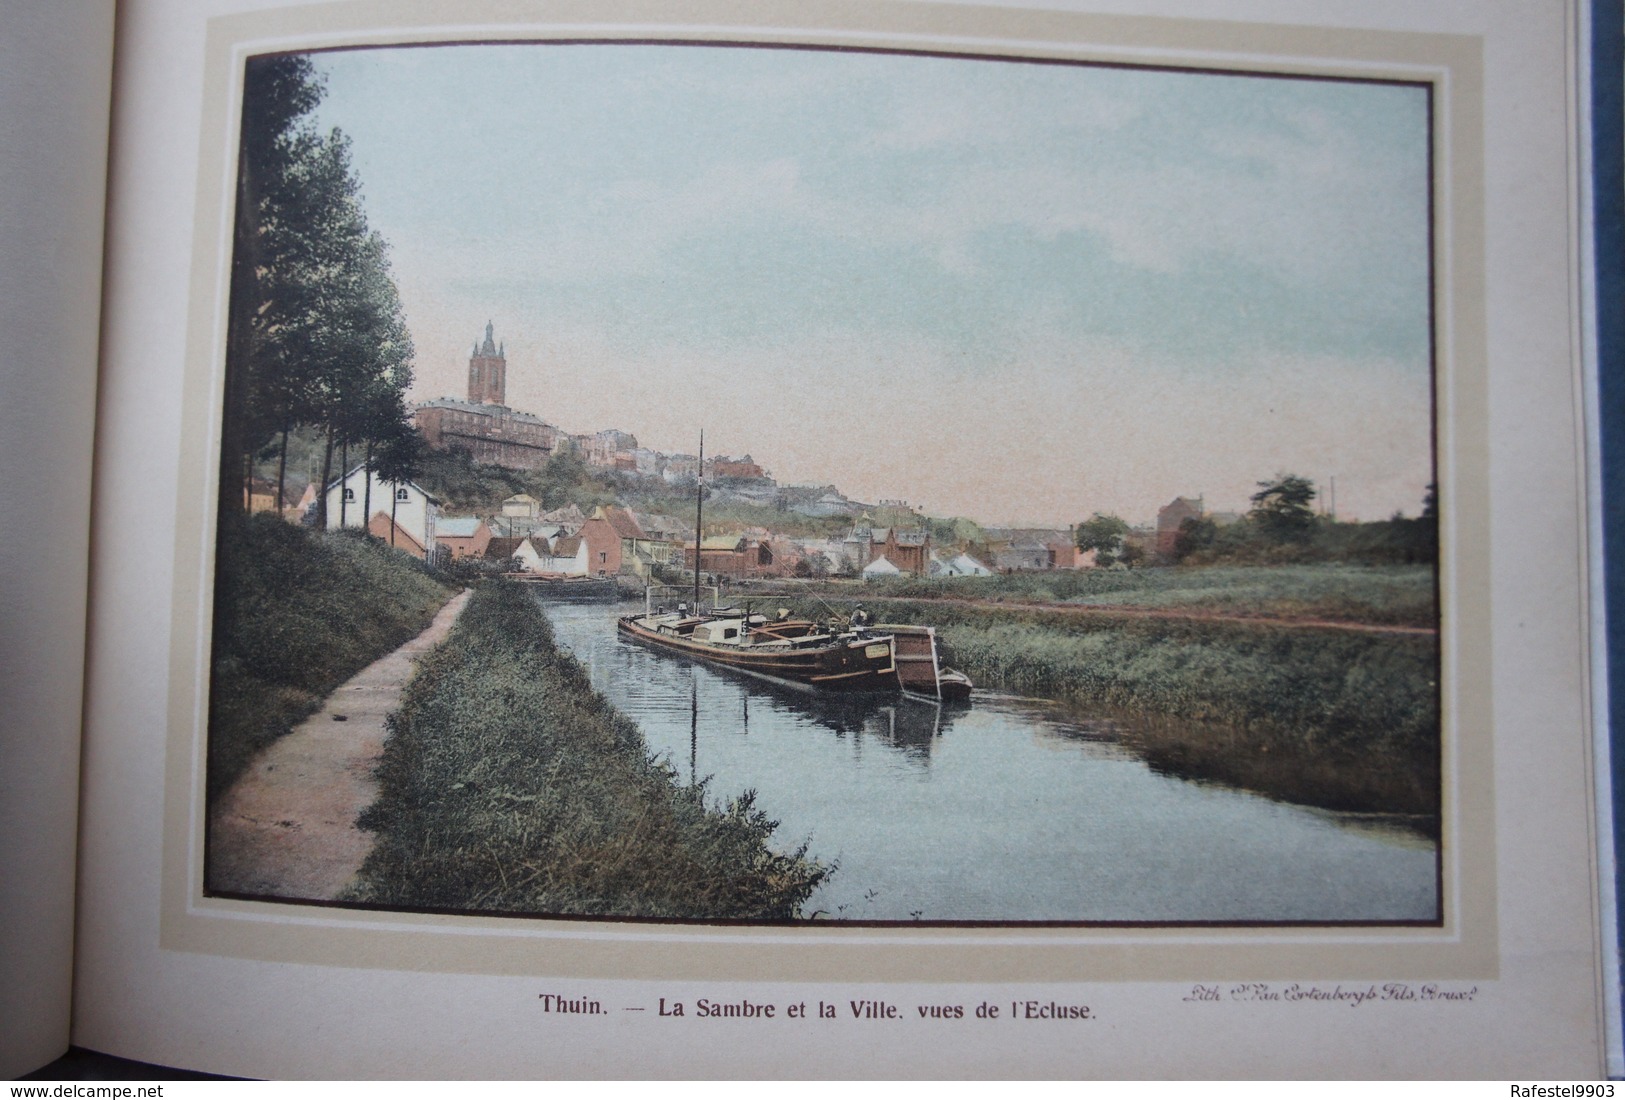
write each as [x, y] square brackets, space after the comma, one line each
[502, 486]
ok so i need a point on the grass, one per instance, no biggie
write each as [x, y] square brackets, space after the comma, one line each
[1345, 707]
[509, 784]
[298, 612]
[1341, 719]
[1389, 595]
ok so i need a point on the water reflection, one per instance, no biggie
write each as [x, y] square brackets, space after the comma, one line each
[910, 726]
[1008, 810]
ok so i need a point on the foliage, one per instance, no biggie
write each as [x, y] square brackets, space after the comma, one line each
[1281, 508]
[466, 486]
[509, 783]
[1104, 535]
[297, 612]
[316, 336]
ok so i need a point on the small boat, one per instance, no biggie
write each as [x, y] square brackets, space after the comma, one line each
[919, 670]
[796, 653]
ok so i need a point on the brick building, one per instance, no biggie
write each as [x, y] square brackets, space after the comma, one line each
[484, 425]
[1169, 518]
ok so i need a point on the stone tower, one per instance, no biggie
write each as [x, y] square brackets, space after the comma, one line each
[488, 373]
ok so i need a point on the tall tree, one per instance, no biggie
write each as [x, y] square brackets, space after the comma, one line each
[398, 458]
[1104, 535]
[316, 333]
[278, 94]
[1282, 508]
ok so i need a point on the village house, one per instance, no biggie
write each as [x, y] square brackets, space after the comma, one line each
[262, 496]
[963, 565]
[463, 536]
[667, 536]
[603, 544]
[569, 517]
[908, 551]
[681, 468]
[1170, 517]
[732, 556]
[412, 510]
[601, 449]
[522, 505]
[504, 548]
[392, 534]
[1026, 555]
[569, 556]
[744, 469]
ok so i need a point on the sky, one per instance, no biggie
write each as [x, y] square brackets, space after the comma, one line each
[1021, 293]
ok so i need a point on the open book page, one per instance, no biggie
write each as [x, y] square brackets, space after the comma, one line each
[966, 749]
[55, 75]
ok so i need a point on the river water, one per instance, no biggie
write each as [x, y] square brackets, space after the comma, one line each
[1006, 810]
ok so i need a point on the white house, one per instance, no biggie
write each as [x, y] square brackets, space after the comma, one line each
[569, 556]
[414, 510]
[880, 567]
[965, 566]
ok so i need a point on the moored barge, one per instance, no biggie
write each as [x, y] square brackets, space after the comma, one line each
[797, 653]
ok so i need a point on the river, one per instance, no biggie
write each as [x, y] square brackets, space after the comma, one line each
[1009, 809]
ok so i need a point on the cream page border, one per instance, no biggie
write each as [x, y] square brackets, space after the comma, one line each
[1464, 947]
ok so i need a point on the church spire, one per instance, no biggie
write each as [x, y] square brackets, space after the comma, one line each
[488, 348]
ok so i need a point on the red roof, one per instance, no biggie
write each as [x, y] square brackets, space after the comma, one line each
[378, 527]
[624, 523]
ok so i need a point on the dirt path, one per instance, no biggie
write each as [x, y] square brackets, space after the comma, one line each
[287, 827]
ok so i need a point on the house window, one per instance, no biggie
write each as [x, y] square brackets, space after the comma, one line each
[402, 494]
[349, 494]
[603, 556]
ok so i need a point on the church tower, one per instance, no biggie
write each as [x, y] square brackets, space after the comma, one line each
[488, 373]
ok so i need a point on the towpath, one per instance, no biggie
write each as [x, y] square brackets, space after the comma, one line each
[287, 828]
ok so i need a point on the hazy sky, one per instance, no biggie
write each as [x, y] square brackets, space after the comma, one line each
[1011, 291]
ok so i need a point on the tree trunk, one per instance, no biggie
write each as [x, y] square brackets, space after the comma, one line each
[282, 472]
[327, 476]
[239, 334]
[394, 498]
[344, 492]
[366, 494]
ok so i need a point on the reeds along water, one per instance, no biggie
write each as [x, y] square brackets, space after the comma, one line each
[1332, 718]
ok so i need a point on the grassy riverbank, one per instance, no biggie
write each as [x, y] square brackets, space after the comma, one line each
[297, 613]
[510, 784]
[1328, 717]
[1385, 595]
[1345, 720]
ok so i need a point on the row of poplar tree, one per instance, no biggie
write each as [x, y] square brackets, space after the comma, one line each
[316, 336]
